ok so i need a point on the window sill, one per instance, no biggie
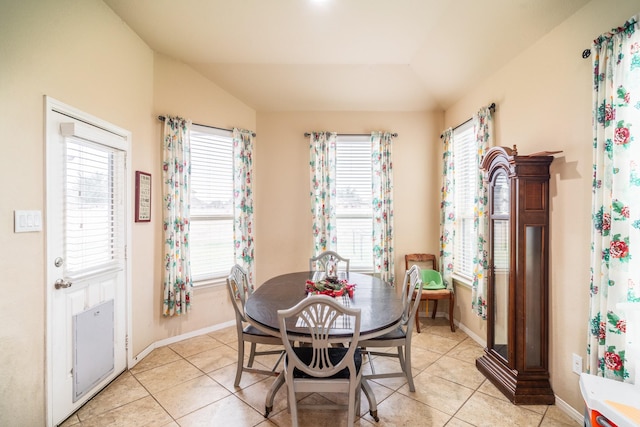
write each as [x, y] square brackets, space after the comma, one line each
[461, 280]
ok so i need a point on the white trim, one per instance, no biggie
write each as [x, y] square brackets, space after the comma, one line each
[51, 106]
[569, 410]
[172, 340]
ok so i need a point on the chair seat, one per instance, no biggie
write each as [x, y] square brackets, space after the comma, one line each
[396, 334]
[252, 330]
[335, 355]
[435, 294]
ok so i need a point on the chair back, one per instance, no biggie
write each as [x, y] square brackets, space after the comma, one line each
[319, 262]
[421, 260]
[318, 315]
[239, 290]
[411, 293]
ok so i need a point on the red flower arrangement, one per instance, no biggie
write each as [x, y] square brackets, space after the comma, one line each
[330, 287]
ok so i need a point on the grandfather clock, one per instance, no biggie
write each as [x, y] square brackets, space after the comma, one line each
[516, 358]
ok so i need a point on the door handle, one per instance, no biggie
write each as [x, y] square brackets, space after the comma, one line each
[62, 284]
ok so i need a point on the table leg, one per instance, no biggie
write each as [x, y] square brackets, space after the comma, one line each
[277, 383]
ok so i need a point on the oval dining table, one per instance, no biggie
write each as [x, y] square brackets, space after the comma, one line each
[380, 305]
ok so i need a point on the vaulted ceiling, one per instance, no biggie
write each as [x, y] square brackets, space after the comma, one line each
[344, 55]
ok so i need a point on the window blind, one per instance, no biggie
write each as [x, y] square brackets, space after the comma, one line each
[466, 172]
[354, 211]
[211, 203]
[93, 211]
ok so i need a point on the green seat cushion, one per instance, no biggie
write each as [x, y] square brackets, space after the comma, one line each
[432, 280]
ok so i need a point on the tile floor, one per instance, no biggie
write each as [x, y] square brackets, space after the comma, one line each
[190, 383]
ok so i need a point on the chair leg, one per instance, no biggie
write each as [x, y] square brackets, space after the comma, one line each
[435, 308]
[293, 405]
[240, 363]
[252, 354]
[418, 320]
[407, 367]
[451, 303]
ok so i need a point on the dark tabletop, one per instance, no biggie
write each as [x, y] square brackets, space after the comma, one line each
[380, 305]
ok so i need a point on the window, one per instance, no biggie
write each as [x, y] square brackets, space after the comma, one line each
[212, 254]
[354, 211]
[466, 172]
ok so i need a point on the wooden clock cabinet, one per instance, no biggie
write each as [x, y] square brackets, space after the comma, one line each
[516, 359]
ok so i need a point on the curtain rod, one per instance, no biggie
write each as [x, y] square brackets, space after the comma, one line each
[163, 118]
[492, 107]
[394, 135]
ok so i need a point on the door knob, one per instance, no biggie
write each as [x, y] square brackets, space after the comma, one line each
[61, 284]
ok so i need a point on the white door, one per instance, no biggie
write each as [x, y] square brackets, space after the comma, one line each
[86, 222]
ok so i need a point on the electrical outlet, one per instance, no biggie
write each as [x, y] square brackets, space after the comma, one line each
[576, 365]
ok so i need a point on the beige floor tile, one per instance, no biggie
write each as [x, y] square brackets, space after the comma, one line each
[226, 376]
[158, 357]
[73, 420]
[398, 410]
[229, 411]
[445, 332]
[143, 412]
[125, 389]
[313, 417]
[210, 360]
[555, 417]
[169, 375]
[446, 396]
[226, 335]
[190, 396]
[487, 387]
[467, 351]
[482, 410]
[435, 343]
[195, 345]
[455, 370]
[255, 395]
[455, 422]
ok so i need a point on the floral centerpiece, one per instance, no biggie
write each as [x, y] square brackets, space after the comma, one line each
[330, 286]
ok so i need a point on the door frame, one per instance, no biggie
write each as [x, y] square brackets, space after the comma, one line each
[52, 106]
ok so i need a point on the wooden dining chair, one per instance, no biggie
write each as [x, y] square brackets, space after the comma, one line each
[239, 291]
[319, 262]
[322, 367]
[425, 262]
[400, 338]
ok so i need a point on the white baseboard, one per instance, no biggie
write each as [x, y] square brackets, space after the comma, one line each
[177, 338]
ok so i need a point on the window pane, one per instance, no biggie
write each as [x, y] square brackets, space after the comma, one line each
[354, 212]
[212, 251]
[211, 248]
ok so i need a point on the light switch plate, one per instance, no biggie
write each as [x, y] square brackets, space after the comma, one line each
[27, 221]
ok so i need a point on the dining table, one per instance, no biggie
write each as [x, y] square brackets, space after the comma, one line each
[380, 305]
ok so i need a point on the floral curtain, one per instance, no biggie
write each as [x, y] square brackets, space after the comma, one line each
[482, 126]
[615, 233]
[447, 210]
[243, 201]
[175, 178]
[322, 147]
[382, 182]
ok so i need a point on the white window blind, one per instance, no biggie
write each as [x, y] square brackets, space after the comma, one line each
[93, 211]
[354, 210]
[211, 203]
[466, 173]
